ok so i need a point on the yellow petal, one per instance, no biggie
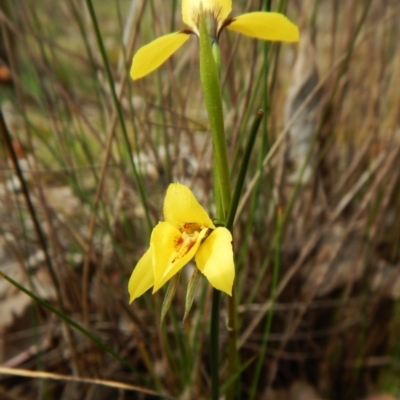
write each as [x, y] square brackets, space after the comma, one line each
[266, 26]
[151, 56]
[167, 263]
[163, 240]
[220, 9]
[180, 207]
[215, 260]
[142, 278]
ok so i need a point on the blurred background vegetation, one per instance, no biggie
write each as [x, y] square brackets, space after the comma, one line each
[316, 239]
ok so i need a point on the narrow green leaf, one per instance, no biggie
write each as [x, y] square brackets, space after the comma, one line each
[191, 291]
[243, 169]
[69, 321]
[172, 285]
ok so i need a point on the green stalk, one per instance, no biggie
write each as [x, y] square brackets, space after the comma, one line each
[232, 352]
[213, 99]
[214, 333]
[209, 77]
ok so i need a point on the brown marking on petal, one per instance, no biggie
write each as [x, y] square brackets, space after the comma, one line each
[224, 25]
[187, 32]
[207, 234]
[178, 241]
[191, 227]
[185, 242]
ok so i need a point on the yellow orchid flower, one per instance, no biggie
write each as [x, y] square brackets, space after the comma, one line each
[187, 232]
[260, 25]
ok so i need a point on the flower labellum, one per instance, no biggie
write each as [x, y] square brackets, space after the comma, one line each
[260, 25]
[187, 232]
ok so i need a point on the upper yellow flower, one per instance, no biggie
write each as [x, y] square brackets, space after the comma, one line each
[259, 25]
[187, 232]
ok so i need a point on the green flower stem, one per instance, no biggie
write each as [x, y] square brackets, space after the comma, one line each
[214, 333]
[209, 76]
[212, 95]
[210, 65]
[232, 352]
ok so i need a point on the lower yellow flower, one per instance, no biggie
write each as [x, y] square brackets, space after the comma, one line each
[187, 232]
